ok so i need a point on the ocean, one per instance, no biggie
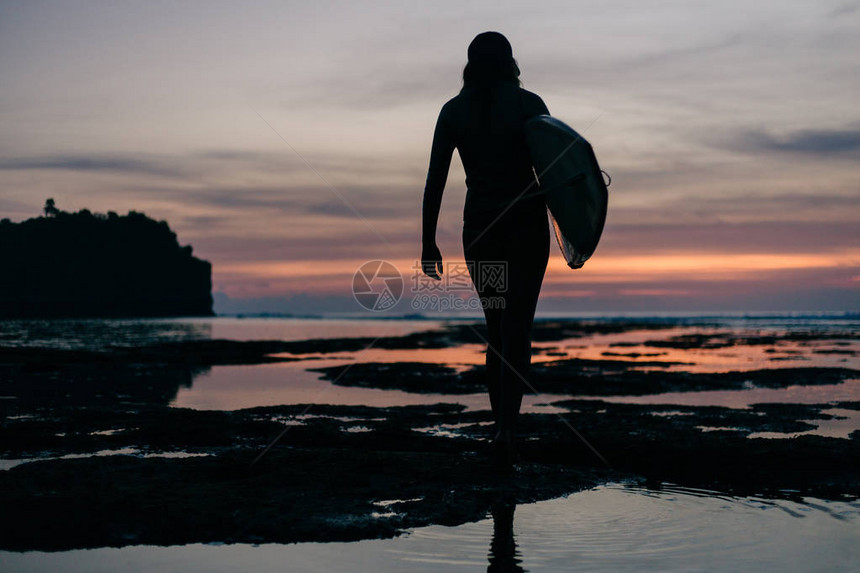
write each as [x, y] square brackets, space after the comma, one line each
[618, 524]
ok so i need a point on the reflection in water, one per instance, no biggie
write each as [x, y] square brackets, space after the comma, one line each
[98, 384]
[287, 383]
[848, 390]
[504, 556]
[643, 346]
[310, 328]
[606, 529]
[843, 423]
[97, 334]
[8, 464]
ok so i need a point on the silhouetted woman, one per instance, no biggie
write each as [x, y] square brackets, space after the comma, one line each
[504, 220]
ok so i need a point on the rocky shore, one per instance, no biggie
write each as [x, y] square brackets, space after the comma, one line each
[94, 456]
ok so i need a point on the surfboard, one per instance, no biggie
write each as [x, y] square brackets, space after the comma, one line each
[576, 194]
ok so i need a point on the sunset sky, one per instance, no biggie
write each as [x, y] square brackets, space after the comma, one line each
[731, 131]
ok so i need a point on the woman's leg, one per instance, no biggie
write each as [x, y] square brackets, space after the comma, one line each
[527, 254]
[487, 248]
[523, 246]
[493, 318]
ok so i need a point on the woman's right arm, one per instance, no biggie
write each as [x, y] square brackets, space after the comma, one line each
[437, 175]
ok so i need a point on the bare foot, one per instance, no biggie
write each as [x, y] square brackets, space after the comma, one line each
[503, 451]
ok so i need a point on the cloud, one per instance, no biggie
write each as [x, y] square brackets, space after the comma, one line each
[687, 54]
[377, 202]
[843, 10]
[770, 236]
[94, 163]
[360, 93]
[197, 164]
[205, 221]
[351, 164]
[817, 142]
[798, 289]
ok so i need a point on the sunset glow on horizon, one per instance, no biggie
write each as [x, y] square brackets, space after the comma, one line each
[288, 142]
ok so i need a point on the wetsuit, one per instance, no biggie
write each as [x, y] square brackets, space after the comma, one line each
[503, 221]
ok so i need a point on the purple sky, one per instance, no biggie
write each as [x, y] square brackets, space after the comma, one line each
[731, 132]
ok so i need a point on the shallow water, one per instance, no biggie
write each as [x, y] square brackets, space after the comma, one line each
[786, 354]
[95, 334]
[287, 383]
[614, 527]
[609, 528]
[8, 464]
[820, 394]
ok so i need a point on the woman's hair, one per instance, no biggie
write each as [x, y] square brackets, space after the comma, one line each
[491, 61]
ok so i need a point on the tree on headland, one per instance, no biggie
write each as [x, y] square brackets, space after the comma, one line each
[51, 208]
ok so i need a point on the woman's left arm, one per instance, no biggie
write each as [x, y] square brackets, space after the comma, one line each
[437, 175]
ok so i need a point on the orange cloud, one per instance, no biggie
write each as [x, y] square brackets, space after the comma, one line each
[329, 276]
[653, 292]
[699, 266]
